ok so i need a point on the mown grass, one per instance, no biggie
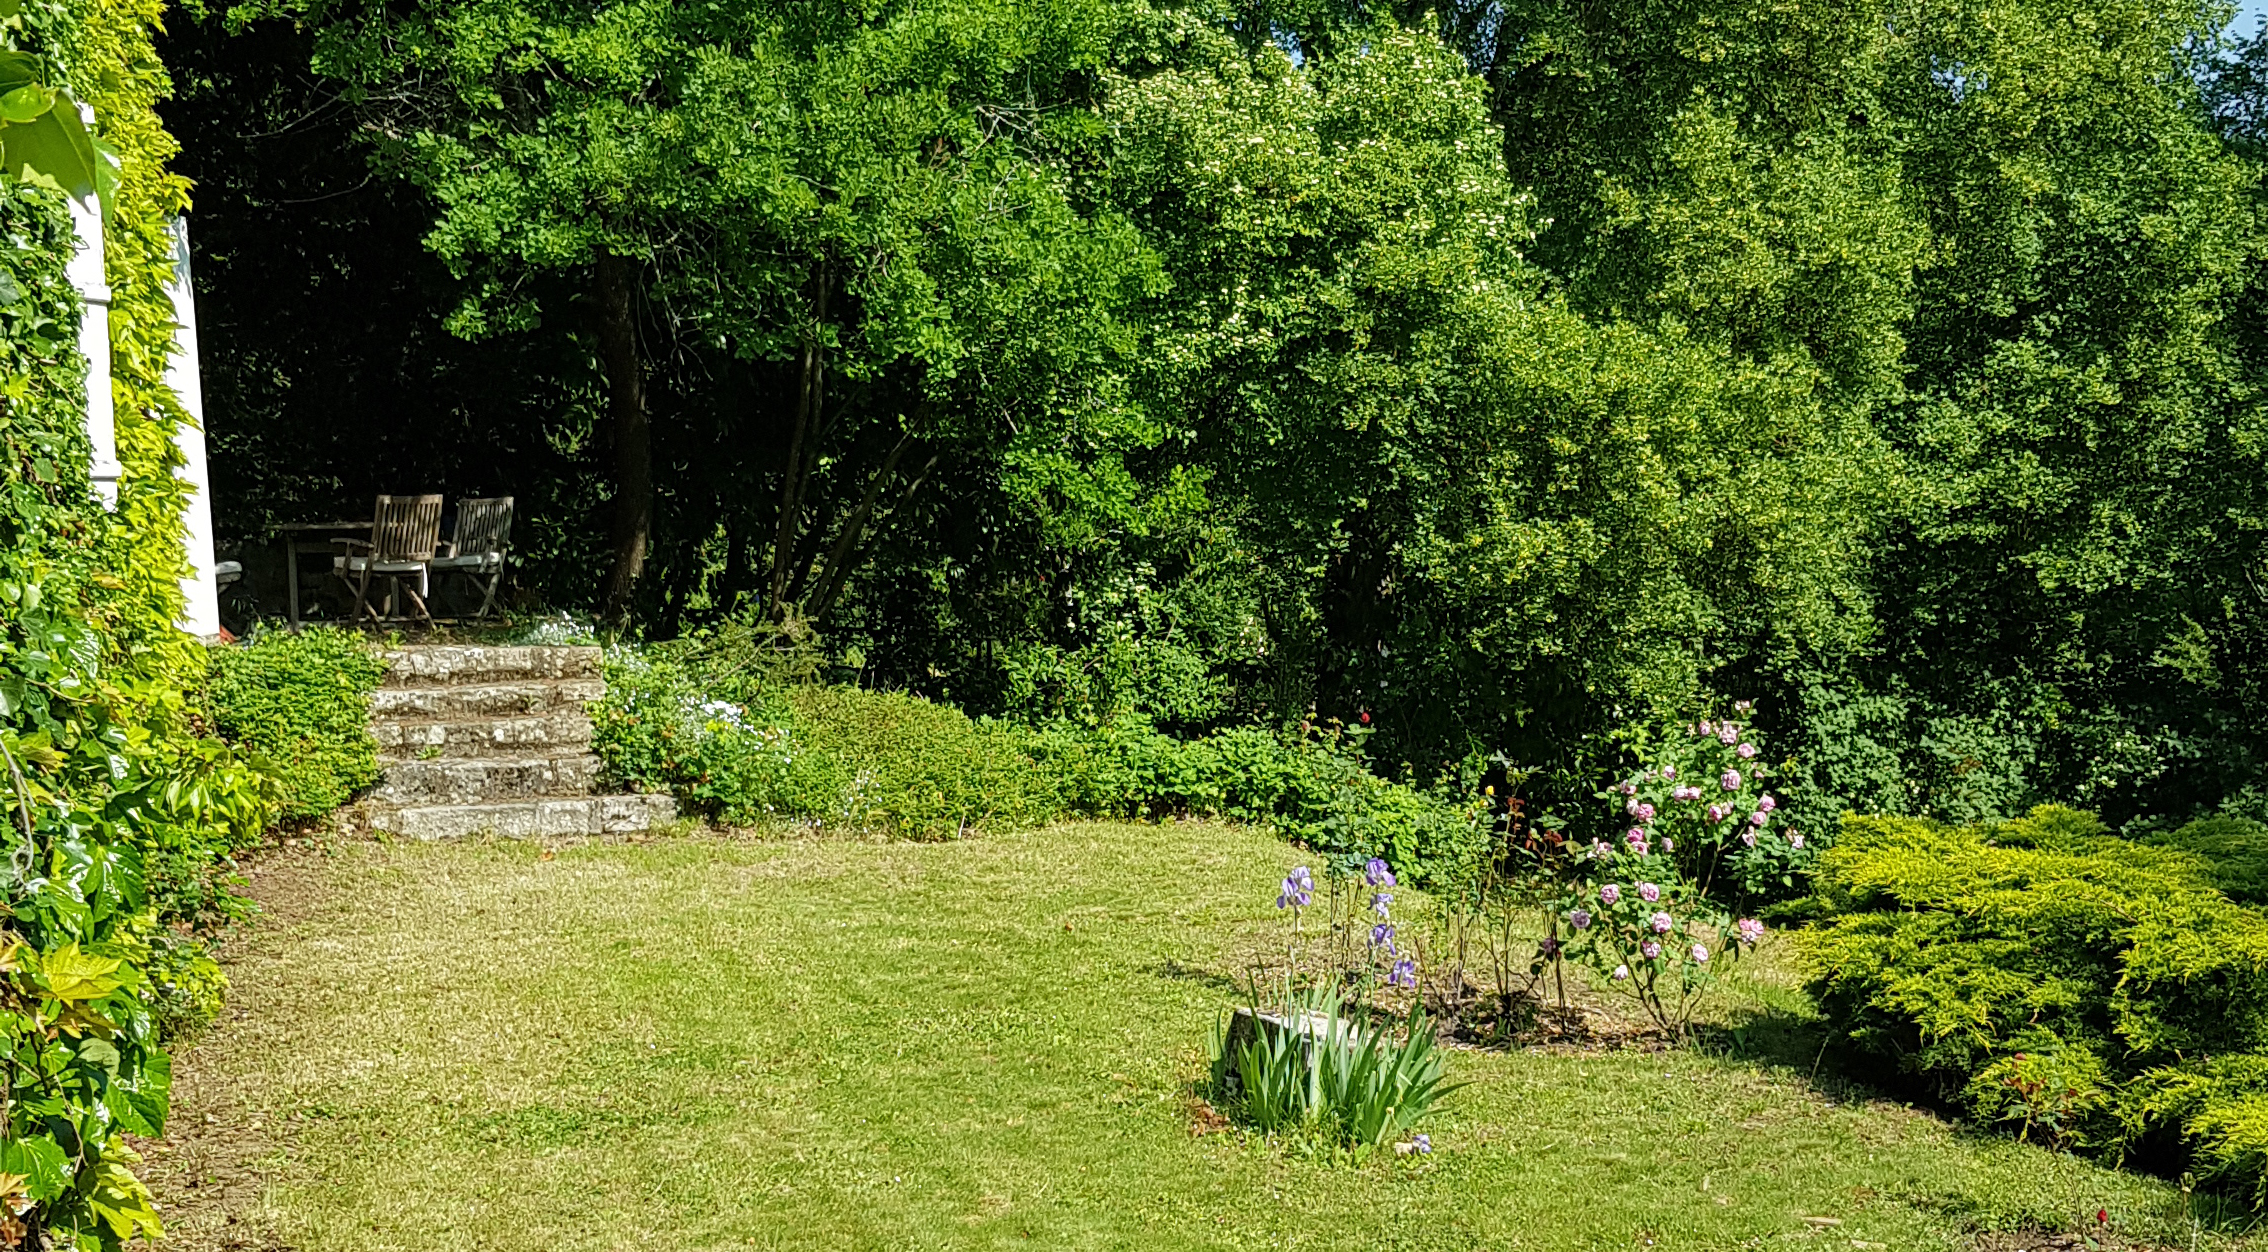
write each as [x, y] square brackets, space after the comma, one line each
[707, 1043]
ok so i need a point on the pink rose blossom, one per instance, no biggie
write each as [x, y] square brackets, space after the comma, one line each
[1649, 892]
[1700, 955]
[1621, 973]
[1767, 803]
[1745, 751]
[1609, 894]
[1748, 837]
[1750, 929]
[1729, 780]
[1649, 949]
[1661, 923]
[1795, 840]
[1758, 819]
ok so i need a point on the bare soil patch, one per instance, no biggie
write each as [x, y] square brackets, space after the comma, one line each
[212, 1171]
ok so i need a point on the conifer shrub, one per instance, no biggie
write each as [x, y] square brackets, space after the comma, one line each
[2234, 848]
[2048, 977]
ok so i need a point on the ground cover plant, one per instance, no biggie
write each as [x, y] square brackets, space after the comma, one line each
[995, 1042]
[299, 704]
[742, 732]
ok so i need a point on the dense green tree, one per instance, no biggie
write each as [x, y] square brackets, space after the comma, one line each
[1508, 368]
[849, 208]
[1495, 521]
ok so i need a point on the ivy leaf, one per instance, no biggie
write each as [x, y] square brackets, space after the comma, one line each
[26, 103]
[119, 1199]
[74, 975]
[40, 1161]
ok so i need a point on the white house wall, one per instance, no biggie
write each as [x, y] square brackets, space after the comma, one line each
[202, 614]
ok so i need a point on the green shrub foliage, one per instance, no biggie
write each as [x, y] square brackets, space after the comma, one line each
[2044, 975]
[115, 813]
[299, 704]
[733, 742]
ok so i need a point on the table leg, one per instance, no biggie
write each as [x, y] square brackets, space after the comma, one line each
[291, 578]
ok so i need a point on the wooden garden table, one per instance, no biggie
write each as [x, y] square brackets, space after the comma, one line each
[301, 538]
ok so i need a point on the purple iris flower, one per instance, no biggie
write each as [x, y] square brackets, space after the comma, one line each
[1376, 873]
[1298, 890]
[1380, 902]
[1382, 936]
[1404, 973]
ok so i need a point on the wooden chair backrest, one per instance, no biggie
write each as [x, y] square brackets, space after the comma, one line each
[405, 528]
[483, 526]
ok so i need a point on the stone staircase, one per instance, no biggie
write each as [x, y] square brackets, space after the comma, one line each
[480, 740]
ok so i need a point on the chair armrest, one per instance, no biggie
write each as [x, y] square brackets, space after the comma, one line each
[348, 546]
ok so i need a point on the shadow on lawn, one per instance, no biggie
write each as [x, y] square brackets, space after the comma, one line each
[1802, 1047]
[1179, 972]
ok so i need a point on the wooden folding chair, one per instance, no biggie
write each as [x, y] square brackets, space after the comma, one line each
[404, 530]
[484, 531]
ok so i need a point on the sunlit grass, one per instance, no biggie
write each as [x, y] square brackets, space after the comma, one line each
[708, 1043]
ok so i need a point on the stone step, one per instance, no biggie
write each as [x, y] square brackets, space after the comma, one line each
[529, 819]
[548, 734]
[478, 780]
[446, 665]
[486, 701]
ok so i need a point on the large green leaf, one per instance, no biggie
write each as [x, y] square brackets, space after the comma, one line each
[26, 103]
[52, 150]
[17, 69]
[42, 1163]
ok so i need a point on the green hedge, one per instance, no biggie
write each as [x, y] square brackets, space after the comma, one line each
[739, 748]
[2044, 975]
[299, 705]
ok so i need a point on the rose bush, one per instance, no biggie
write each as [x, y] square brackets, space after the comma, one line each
[1701, 798]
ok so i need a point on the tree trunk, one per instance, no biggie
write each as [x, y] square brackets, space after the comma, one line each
[616, 280]
[807, 406]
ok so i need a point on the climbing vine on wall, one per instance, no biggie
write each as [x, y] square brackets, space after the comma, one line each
[118, 815]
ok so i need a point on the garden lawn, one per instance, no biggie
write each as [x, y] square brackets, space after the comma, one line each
[707, 1042]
